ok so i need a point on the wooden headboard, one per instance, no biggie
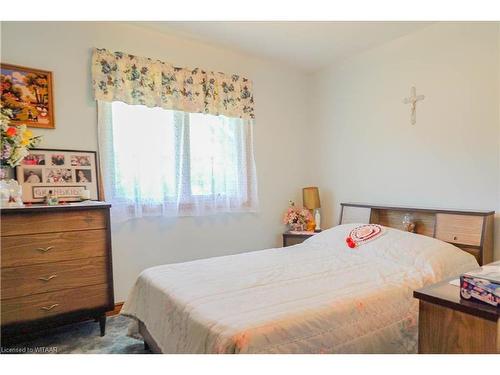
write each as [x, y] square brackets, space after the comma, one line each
[471, 231]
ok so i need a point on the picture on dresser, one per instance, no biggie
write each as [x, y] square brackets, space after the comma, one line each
[64, 173]
[34, 159]
[27, 92]
[77, 161]
[83, 175]
[59, 175]
[57, 159]
[32, 176]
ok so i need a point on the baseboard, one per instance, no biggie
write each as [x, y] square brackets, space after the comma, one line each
[116, 310]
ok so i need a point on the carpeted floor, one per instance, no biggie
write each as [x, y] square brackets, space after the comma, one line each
[84, 338]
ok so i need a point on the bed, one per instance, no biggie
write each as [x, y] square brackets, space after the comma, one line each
[316, 297]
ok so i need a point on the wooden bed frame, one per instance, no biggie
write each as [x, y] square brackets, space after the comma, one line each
[472, 231]
[149, 342]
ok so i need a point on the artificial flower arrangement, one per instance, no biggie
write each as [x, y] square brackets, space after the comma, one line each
[16, 141]
[296, 218]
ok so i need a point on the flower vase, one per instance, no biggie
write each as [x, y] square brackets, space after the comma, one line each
[296, 227]
[11, 193]
[6, 173]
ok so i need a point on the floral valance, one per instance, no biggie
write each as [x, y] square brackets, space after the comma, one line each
[117, 76]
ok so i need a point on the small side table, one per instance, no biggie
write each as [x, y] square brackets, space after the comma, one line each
[290, 239]
[449, 325]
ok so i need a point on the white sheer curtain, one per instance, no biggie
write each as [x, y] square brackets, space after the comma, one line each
[165, 162]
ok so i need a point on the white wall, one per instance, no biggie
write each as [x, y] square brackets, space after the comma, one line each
[280, 94]
[369, 151]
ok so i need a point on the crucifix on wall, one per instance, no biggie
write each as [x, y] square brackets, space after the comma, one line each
[412, 101]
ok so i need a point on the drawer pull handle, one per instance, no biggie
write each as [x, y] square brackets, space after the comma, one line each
[47, 278]
[45, 249]
[48, 308]
[454, 238]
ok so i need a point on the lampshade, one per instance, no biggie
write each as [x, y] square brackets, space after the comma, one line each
[310, 197]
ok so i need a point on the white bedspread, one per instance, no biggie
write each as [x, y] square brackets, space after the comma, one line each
[316, 297]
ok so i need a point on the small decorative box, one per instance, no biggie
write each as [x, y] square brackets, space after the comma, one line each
[482, 284]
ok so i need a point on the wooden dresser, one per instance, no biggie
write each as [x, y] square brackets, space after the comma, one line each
[472, 231]
[55, 267]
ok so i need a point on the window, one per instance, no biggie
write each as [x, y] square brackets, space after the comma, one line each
[165, 162]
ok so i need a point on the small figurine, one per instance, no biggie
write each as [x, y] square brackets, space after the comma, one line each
[311, 225]
[51, 199]
[408, 223]
[317, 220]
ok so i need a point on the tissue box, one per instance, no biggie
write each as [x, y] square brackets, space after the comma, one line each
[482, 284]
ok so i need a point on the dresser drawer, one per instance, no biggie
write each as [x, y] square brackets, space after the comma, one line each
[459, 229]
[48, 277]
[13, 224]
[52, 247]
[44, 305]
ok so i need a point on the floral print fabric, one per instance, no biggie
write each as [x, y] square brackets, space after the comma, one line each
[117, 76]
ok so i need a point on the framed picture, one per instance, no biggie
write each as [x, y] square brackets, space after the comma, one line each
[28, 93]
[64, 173]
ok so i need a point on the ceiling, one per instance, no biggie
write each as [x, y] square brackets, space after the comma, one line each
[308, 46]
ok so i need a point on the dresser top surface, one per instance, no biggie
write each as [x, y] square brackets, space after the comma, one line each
[65, 206]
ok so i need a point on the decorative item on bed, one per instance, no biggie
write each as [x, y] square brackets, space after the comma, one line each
[317, 297]
[363, 234]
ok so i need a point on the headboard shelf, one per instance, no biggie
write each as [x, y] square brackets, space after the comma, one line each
[423, 209]
[470, 230]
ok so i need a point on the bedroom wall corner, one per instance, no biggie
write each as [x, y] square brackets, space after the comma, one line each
[369, 151]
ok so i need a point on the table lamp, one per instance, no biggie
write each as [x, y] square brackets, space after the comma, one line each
[310, 197]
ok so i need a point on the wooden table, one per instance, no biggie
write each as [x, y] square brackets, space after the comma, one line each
[450, 325]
